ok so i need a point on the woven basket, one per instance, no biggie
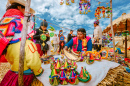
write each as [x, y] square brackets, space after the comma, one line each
[72, 56]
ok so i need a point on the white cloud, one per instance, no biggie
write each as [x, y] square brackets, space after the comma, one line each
[68, 21]
[68, 16]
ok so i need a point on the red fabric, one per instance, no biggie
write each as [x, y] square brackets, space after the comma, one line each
[2, 59]
[11, 79]
[126, 59]
[3, 42]
[12, 12]
[39, 49]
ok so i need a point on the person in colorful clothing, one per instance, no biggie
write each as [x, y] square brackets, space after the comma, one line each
[97, 36]
[10, 40]
[42, 36]
[81, 42]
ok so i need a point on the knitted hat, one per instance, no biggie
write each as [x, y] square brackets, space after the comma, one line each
[44, 23]
[96, 22]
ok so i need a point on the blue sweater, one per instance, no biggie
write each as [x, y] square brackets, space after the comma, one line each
[79, 48]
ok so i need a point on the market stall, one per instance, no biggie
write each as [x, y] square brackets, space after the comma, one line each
[98, 71]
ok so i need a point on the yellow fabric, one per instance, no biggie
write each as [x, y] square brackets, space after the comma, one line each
[31, 59]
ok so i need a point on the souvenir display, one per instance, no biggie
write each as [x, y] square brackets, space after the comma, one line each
[106, 11]
[51, 28]
[62, 2]
[84, 6]
[47, 59]
[97, 56]
[62, 38]
[104, 53]
[63, 72]
[67, 2]
[84, 76]
[89, 57]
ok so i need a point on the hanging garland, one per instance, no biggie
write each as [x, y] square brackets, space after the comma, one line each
[67, 2]
[86, 4]
[103, 10]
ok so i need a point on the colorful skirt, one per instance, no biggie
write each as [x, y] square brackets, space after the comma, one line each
[11, 79]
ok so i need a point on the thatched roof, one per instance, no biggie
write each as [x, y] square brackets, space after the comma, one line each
[119, 23]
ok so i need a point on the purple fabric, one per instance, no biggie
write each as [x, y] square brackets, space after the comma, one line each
[11, 79]
[34, 40]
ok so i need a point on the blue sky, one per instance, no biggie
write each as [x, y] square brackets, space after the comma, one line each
[69, 17]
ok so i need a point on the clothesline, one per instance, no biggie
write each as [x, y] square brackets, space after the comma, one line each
[54, 24]
[47, 21]
[102, 2]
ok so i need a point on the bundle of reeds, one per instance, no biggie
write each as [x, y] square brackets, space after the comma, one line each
[4, 68]
[116, 77]
[36, 82]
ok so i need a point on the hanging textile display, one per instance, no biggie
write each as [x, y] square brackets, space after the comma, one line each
[68, 2]
[84, 6]
[106, 11]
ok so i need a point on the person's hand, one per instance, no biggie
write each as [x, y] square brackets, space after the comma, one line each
[66, 48]
[47, 35]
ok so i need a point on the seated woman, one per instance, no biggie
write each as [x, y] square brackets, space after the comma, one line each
[81, 42]
[41, 42]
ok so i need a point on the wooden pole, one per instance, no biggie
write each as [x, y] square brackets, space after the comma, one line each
[112, 32]
[22, 46]
[34, 24]
[126, 40]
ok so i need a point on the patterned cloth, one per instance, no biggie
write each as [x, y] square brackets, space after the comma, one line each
[11, 26]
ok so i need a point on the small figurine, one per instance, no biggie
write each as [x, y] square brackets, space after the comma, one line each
[67, 2]
[53, 78]
[84, 76]
[72, 1]
[73, 79]
[62, 2]
[63, 79]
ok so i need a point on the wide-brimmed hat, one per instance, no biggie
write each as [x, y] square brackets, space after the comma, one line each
[22, 2]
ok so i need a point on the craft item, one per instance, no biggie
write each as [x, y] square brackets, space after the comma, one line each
[84, 76]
